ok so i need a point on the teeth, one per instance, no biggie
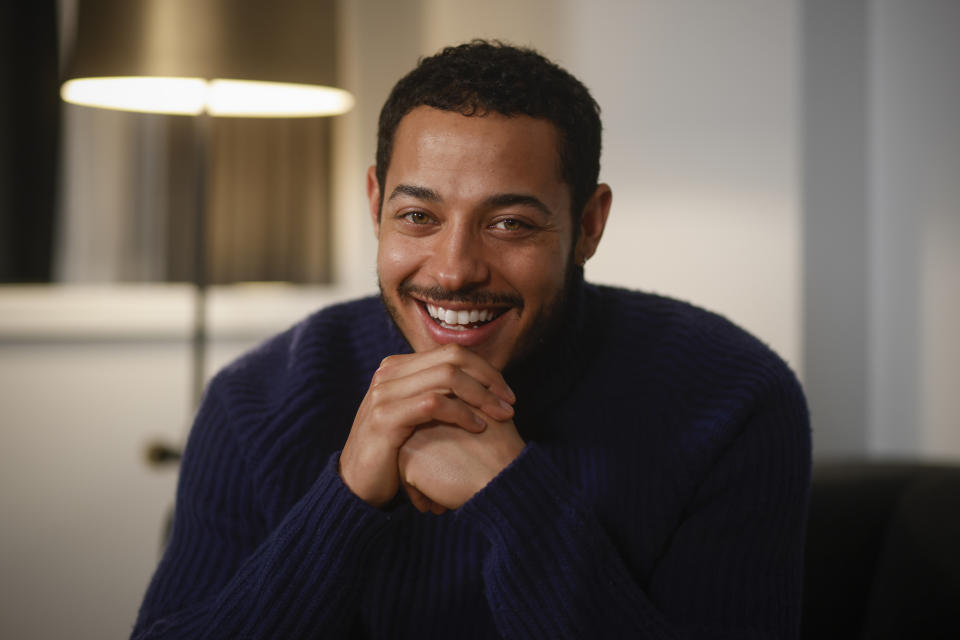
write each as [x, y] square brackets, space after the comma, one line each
[454, 318]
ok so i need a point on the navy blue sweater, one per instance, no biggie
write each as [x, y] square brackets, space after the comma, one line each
[662, 493]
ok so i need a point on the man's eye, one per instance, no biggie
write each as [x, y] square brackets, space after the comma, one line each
[511, 224]
[416, 217]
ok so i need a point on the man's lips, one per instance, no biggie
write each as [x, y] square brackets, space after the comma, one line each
[462, 318]
[467, 326]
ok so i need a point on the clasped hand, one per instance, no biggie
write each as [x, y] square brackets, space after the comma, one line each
[440, 423]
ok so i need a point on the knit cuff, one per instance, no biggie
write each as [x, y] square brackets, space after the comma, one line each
[337, 511]
[522, 501]
[551, 570]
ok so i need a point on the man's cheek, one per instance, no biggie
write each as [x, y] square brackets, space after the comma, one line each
[397, 260]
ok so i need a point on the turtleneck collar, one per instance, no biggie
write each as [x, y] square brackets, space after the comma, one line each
[554, 366]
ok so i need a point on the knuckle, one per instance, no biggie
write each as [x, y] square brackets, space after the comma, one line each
[378, 415]
[382, 371]
[448, 370]
[430, 403]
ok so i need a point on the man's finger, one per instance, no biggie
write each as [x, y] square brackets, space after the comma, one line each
[398, 419]
[403, 365]
[446, 379]
[421, 502]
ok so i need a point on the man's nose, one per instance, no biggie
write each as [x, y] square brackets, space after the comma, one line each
[459, 260]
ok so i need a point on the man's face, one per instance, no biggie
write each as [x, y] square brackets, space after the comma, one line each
[475, 233]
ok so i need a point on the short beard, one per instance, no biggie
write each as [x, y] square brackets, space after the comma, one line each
[545, 326]
[549, 322]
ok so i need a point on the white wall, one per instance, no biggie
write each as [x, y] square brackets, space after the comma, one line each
[700, 113]
[882, 226]
[835, 220]
[914, 165]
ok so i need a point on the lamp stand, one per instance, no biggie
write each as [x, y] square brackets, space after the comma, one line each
[199, 343]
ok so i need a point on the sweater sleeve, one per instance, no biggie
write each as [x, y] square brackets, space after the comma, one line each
[732, 568]
[224, 576]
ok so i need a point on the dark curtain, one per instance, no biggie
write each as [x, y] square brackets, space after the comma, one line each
[29, 135]
[269, 200]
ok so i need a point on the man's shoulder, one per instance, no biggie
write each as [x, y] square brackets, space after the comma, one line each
[695, 367]
[667, 332]
[657, 313]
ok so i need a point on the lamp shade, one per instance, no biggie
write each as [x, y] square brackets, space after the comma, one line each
[227, 57]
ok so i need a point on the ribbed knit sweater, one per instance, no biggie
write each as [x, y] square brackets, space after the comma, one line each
[662, 493]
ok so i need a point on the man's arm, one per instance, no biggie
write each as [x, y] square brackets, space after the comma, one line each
[731, 568]
[224, 576]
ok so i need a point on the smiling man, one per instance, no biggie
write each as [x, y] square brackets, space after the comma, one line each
[494, 448]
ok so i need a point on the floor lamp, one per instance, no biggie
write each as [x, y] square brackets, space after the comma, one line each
[203, 59]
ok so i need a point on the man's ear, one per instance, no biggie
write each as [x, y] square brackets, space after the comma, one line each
[373, 196]
[592, 223]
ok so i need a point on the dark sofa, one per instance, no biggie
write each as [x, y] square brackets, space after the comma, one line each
[883, 551]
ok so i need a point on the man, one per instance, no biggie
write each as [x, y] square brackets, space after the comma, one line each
[494, 448]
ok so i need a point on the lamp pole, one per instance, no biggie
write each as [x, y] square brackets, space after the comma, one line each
[199, 343]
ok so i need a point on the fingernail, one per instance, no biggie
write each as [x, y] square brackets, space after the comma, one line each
[506, 407]
[513, 396]
[479, 421]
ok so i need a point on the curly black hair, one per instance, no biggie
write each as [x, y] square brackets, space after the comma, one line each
[482, 76]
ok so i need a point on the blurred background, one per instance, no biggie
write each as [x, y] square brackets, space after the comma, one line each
[793, 165]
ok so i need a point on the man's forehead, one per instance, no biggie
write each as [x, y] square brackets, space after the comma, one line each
[434, 140]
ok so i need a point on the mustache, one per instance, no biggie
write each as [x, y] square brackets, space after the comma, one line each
[479, 298]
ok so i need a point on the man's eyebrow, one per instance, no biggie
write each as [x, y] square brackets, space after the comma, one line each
[415, 191]
[517, 199]
[496, 201]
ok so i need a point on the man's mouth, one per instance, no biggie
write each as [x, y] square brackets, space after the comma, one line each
[462, 319]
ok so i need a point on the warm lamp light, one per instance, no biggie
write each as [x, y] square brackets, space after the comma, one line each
[181, 96]
[193, 96]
